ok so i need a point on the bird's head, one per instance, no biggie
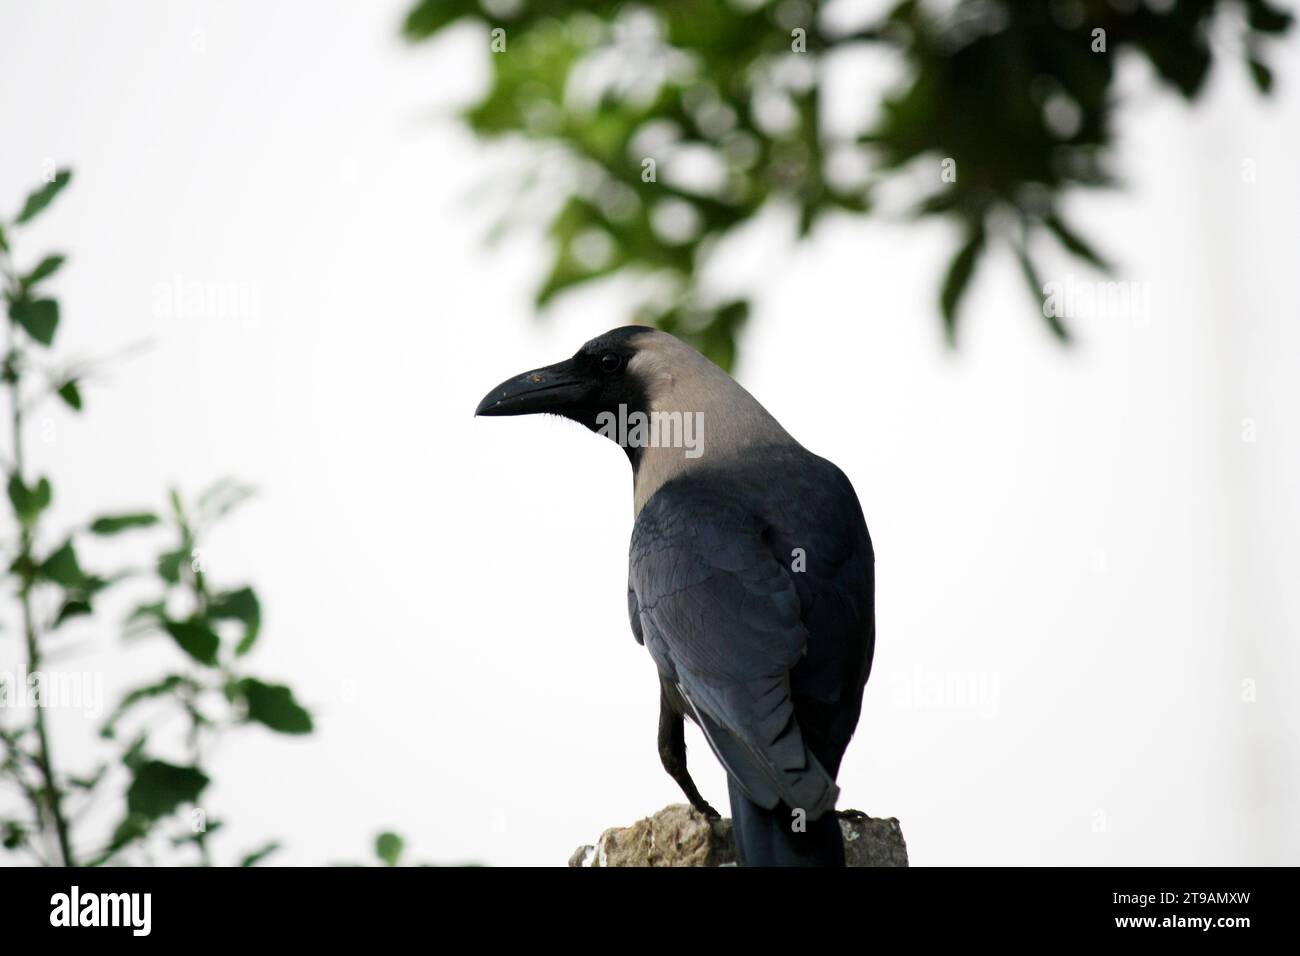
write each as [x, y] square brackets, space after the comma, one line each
[606, 374]
[649, 392]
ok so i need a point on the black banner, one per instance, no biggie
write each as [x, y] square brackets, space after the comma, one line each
[1161, 906]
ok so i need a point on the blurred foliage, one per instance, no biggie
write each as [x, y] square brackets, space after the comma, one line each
[389, 849]
[1018, 97]
[205, 694]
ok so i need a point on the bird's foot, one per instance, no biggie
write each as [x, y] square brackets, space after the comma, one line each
[706, 811]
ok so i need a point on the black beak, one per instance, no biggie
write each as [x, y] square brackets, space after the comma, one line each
[551, 389]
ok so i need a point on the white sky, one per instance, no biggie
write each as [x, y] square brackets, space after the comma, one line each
[1083, 538]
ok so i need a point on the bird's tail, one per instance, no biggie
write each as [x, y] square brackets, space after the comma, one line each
[778, 837]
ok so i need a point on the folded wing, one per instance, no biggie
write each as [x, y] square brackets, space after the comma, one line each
[720, 615]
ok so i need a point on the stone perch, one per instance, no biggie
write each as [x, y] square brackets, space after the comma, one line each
[678, 835]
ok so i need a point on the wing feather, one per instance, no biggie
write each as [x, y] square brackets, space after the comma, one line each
[722, 619]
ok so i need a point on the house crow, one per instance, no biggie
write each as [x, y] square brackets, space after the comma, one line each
[751, 580]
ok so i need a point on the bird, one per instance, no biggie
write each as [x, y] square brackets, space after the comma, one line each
[751, 580]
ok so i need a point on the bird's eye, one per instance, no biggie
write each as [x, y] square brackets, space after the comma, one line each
[611, 362]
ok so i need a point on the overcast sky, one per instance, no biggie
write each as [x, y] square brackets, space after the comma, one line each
[1081, 561]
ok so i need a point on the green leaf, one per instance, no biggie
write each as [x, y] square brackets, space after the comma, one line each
[38, 317]
[45, 268]
[196, 639]
[241, 605]
[4, 240]
[430, 16]
[1267, 18]
[168, 685]
[133, 757]
[388, 847]
[178, 509]
[954, 284]
[260, 854]
[90, 782]
[247, 641]
[24, 568]
[133, 828]
[221, 498]
[28, 503]
[1076, 243]
[1261, 74]
[61, 567]
[1030, 272]
[578, 218]
[170, 564]
[155, 609]
[12, 834]
[71, 394]
[112, 524]
[160, 788]
[72, 607]
[273, 706]
[43, 196]
[144, 618]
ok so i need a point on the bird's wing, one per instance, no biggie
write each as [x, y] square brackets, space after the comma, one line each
[721, 618]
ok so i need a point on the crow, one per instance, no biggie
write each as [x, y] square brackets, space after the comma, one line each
[751, 580]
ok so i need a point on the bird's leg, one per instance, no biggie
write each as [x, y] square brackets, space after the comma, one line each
[672, 752]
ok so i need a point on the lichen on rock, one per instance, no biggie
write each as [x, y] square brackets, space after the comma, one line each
[678, 835]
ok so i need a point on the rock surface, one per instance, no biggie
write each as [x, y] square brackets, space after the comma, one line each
[679, 836]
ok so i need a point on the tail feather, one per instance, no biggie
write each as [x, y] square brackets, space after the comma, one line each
[803, 784]
[772, 838]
